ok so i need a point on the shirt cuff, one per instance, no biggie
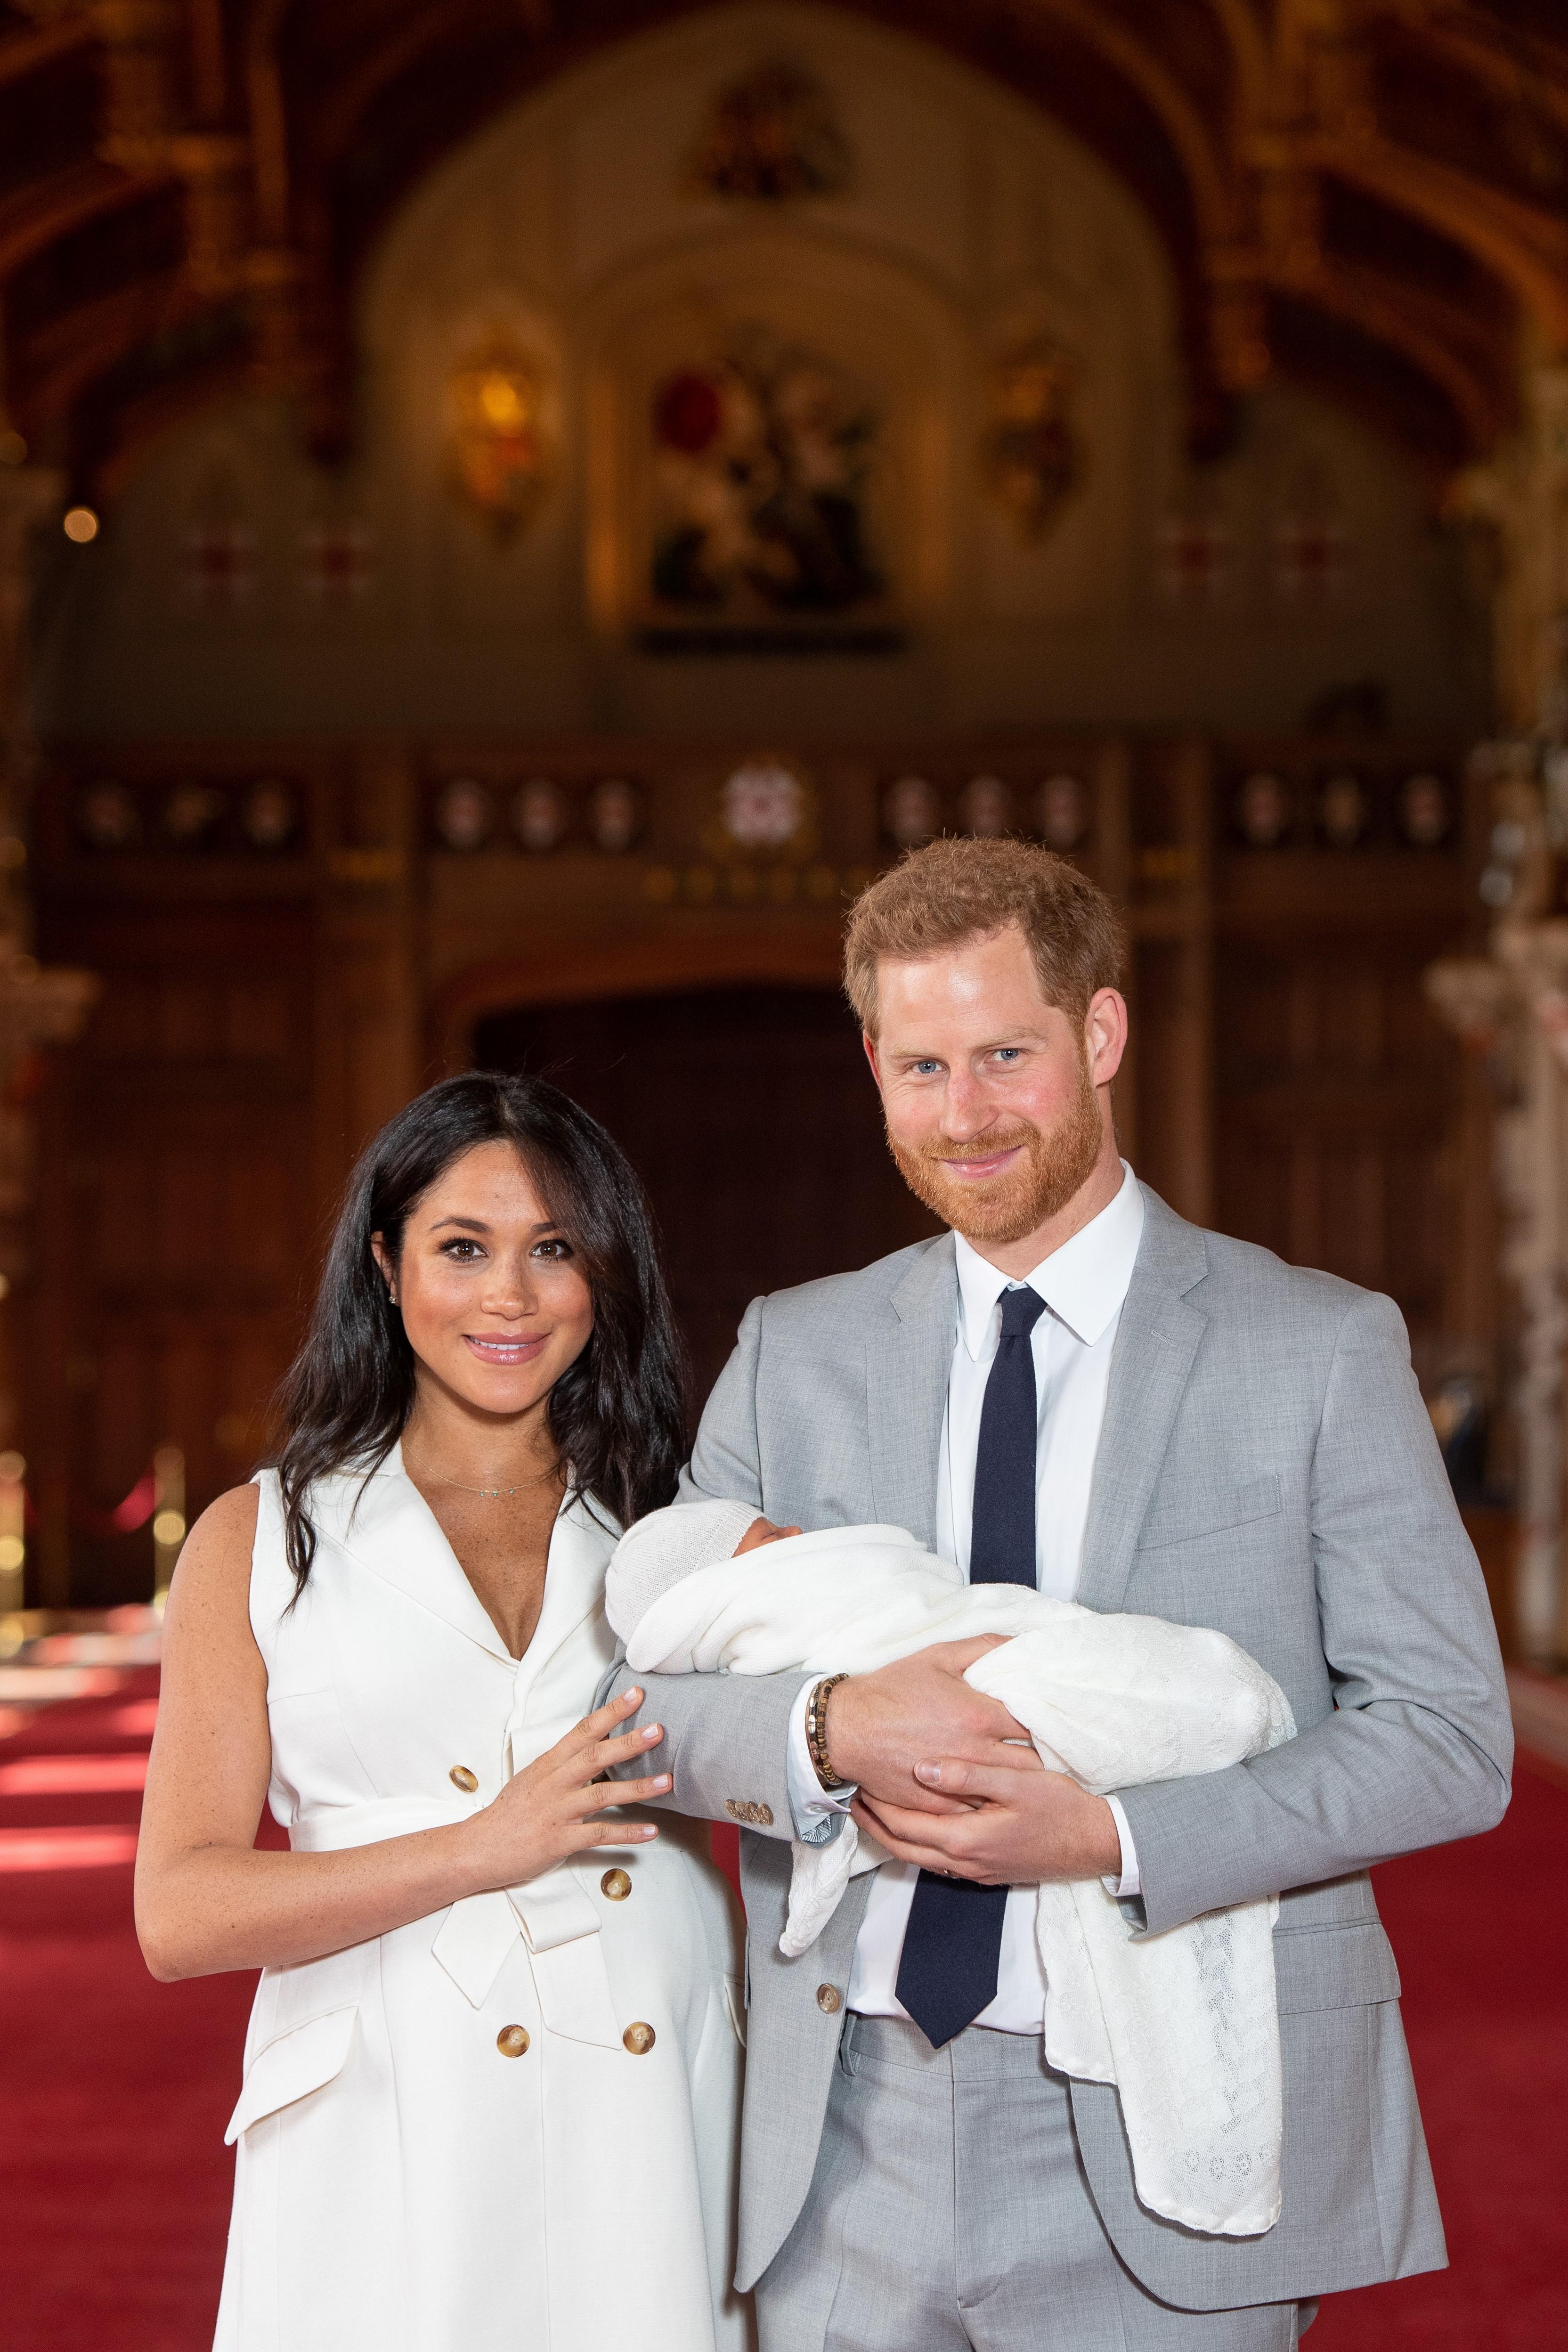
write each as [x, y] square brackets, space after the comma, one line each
[1129, 1884]
[819, 1813]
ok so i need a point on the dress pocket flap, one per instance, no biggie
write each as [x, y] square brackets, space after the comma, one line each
[298, 2061]
[1334, 1968]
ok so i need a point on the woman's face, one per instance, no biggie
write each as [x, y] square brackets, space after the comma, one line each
[493, 1299]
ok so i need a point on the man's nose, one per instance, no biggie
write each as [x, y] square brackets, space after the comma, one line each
[966, 1110]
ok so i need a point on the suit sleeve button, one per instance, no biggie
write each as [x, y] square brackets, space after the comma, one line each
[461, 1778]
[512, 2040]
[830, 1999]
[639, 2039]
[615, 1886]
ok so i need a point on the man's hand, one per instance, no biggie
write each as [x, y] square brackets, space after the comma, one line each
[1007, 1826]
[881, 1725]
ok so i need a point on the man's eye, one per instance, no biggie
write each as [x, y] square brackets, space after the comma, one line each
[1008, 1052]
[926, 1069]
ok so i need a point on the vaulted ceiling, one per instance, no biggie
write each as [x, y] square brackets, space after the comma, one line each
[1367, 195]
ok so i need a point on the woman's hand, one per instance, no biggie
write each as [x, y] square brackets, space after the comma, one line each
[545, 1812]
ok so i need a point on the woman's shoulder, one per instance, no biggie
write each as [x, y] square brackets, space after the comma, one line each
[215, 1563]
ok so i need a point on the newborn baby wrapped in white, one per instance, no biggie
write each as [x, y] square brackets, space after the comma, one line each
[1185, 2023]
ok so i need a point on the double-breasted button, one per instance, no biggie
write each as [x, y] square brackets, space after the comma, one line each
[512, 2040]
[615, 1886]
[639, 2039]
[461, 1778]
[830, 1999]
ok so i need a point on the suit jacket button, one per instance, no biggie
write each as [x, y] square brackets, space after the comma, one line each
[461, 1778]
[512, 2040]
[615, 1886]
[830, 1999]
[639, 2039]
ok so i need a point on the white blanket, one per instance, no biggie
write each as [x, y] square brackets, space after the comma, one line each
[1183, 2023]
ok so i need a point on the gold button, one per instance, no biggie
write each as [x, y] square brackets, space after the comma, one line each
[461, 1778]
[615, 1886]
[639, 2039]
[830, 1999]
[512, 2040]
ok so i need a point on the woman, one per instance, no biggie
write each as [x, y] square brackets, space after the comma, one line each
[492, 2077]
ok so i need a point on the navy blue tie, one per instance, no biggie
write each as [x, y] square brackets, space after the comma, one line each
[952, 1945]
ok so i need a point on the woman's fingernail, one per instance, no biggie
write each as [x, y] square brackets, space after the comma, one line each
[644, 1833]
[654, 1731]
[632, 1697]
[663, 1781]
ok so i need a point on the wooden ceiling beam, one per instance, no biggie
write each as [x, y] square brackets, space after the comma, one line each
[24, 53]
[39, 216]
[1526, 248]
[1385, 312]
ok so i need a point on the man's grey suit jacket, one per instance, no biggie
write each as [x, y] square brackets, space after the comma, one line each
[1265, 1466]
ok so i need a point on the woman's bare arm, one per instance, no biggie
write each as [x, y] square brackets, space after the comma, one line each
[206, 1900]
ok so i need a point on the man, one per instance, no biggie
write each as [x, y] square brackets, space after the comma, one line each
[1073, 1388]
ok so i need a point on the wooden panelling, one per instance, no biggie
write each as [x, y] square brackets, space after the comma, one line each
[265, 1009]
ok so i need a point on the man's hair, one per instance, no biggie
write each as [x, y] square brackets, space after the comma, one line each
[951, 891]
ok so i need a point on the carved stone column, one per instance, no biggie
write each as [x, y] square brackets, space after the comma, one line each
[1523, 493]
[1512, 1005]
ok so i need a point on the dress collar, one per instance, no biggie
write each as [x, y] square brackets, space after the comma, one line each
[1084, 1283]
[385, 1523]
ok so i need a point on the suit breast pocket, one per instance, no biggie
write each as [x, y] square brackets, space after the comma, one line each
[1210, 1511]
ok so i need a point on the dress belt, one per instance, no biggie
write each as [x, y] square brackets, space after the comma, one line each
[554, 1914]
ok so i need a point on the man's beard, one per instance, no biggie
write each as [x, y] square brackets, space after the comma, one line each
[1052, 1165]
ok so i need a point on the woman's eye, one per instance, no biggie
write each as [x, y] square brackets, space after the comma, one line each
[464, 1252]
[557, 1248]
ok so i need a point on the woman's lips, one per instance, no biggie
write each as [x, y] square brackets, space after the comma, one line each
[495, 1348]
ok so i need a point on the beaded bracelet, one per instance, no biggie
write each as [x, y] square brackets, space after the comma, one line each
[817, 1732]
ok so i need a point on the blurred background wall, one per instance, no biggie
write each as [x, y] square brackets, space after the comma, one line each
[513, 513]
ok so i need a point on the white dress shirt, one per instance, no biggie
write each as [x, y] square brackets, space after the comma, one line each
[1083, 1285]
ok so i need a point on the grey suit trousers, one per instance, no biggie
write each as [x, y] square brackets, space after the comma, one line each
[950, 2213]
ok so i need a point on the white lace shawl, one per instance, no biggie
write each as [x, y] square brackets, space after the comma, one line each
[1183, 2023]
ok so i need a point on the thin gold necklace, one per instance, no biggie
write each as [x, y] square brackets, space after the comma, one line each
[490, 1494]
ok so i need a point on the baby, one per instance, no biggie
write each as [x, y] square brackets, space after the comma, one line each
[1183, 2023]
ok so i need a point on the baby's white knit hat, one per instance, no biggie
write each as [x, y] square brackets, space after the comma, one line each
[661, 1550]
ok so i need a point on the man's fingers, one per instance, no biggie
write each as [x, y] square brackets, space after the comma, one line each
[951, 1835]
[989, 1783]
[929, 1857]
[958, 1657]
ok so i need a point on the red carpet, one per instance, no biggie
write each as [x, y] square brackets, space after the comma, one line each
[114, 2182]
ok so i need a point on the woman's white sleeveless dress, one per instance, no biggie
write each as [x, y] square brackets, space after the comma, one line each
[403, 2184]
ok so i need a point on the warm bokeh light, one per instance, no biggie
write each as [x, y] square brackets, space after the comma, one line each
[80, 525]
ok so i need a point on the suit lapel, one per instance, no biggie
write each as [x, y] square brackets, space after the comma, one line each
[1156, 1343]
[909, 1356]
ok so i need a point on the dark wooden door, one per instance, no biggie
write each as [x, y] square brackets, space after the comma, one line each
[751, 1117]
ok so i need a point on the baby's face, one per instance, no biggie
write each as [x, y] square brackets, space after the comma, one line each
[761, 1531]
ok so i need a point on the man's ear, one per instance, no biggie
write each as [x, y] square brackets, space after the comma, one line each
[1105, 1034]
[869, 1043]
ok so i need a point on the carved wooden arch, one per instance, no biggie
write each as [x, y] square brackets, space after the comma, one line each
[719, 952]
[1222, 116]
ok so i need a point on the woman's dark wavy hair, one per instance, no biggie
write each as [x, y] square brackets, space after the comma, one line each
[617, 1414]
